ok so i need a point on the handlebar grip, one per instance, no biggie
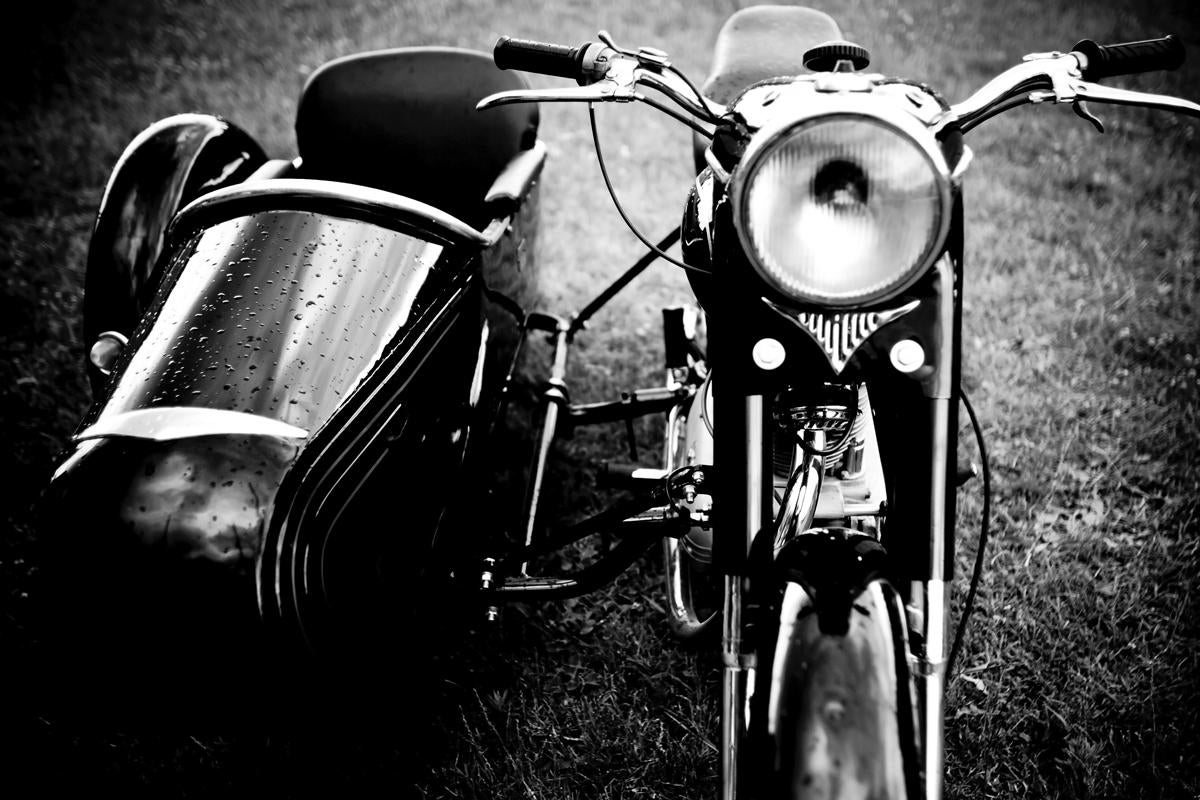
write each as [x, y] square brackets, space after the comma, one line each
[540, 57]
[1129, 58]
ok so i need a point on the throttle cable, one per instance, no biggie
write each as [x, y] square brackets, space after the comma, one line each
[969, 604]
[621, 210]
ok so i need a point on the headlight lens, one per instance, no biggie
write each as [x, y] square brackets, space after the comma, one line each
[842, 210]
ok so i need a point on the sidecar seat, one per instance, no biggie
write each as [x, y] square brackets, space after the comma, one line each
[404, 121]
[762, 42]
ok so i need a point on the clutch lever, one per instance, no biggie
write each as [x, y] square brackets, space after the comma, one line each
[619, 84]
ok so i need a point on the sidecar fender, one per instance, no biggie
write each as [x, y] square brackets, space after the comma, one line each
[167, 165]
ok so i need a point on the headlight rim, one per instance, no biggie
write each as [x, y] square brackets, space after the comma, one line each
[821, 108]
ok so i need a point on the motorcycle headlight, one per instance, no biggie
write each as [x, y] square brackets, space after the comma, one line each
[842, 209]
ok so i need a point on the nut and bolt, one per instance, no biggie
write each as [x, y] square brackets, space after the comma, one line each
[488, 578]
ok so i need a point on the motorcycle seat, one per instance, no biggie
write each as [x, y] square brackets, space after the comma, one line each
[404, 121]
[758, 43]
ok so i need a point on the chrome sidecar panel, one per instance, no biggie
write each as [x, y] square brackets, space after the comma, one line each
[385, 345]
[279, 314]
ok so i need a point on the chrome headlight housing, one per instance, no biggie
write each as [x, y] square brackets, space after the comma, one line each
[845, 205]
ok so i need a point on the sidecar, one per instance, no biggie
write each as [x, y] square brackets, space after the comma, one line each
[297, 364]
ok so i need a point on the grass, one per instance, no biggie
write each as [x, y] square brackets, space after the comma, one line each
[1078, 677]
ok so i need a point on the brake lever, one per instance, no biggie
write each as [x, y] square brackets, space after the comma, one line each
[1068, 86]
[1127, 97]
[1063, 71]
[1077, 93]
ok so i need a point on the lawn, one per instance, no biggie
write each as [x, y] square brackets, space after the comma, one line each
[1082, 334]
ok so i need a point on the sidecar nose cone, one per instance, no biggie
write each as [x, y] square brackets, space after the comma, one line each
[148, 568]
[195, 505]
[206, 498]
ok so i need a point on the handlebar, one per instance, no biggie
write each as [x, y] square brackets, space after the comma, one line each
[1128, 58]
[607, 72]
[1064, 78]
[586, 63]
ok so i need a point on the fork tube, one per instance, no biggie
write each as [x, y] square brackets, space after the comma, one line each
[738, 665]
[733, 686]
[930, 683]
[942, 408]
[932, 657]
[553, 398]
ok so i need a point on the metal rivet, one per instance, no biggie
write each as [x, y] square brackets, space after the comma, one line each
[907, 355]
[768, 353]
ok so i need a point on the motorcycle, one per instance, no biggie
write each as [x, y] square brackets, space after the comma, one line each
[287, 351]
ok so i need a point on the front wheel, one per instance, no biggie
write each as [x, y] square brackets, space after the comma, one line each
[837, 700]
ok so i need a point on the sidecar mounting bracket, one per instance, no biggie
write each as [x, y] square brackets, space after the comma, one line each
[638, 403]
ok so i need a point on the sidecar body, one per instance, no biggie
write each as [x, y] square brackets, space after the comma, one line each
[317, 349]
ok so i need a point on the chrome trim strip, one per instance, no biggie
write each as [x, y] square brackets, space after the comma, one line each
[271, 169]
[332, 197]
[168, 423]
[295, 513]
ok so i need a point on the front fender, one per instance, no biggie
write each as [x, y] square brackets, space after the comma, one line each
[835, 704]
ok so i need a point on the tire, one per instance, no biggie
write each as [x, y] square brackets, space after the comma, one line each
[839, 707]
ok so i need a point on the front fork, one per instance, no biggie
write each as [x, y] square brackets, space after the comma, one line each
[928, 607]
[926, 604]
[739, 664]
